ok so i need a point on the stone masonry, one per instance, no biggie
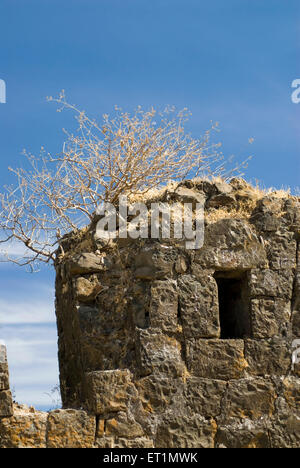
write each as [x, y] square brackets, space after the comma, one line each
[6, 404]
[160, 346]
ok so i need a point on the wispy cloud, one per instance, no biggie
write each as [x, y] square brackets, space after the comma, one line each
[13, 250]
[27, 326]
[32, 359]
[26, 299]
[25, 310]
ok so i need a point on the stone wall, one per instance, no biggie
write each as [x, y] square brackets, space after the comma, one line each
[24, 427]
[160, 346]
[6, 407]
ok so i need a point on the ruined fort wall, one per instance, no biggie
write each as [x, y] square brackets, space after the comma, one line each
[161, 346]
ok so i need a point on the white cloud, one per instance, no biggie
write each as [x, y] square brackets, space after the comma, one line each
[25, 310]
[26, 300]
[32, 359]
[27, 326]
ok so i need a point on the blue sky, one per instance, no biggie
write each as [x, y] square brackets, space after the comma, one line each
[229, 61]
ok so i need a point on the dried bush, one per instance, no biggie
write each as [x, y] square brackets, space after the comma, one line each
[125, 154]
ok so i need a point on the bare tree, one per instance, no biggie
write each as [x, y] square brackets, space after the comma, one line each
[125, 154]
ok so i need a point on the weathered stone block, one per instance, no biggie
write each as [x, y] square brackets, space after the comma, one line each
[292, 214]
[204, 396]
[223, 199]
[231, 244]
[4, 381]
[158, 353]
[291, 393]
[271, 357]
[3, 357]
[108, 391]
[105, 442]
[266, 216]
[157, 391]
[247, 434]
[249, 398]
[271, 283]
[85, 263]
[25, 429]
[199, 309]
[86, 290]
[108, 315]
[91, 319]
[6, 403]
[103, 336]
[123, 425]
[163, 308]
[270, 317]
[70, 429]
[187, 195]
[154, 263]
[296, 324]
[182, 431]
[216, 359]
[4, 377]
[285, 433]
[281, 250]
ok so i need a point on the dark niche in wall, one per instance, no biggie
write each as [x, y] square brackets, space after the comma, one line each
[234, 304]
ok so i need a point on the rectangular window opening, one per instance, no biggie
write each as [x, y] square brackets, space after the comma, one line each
[234, 304]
